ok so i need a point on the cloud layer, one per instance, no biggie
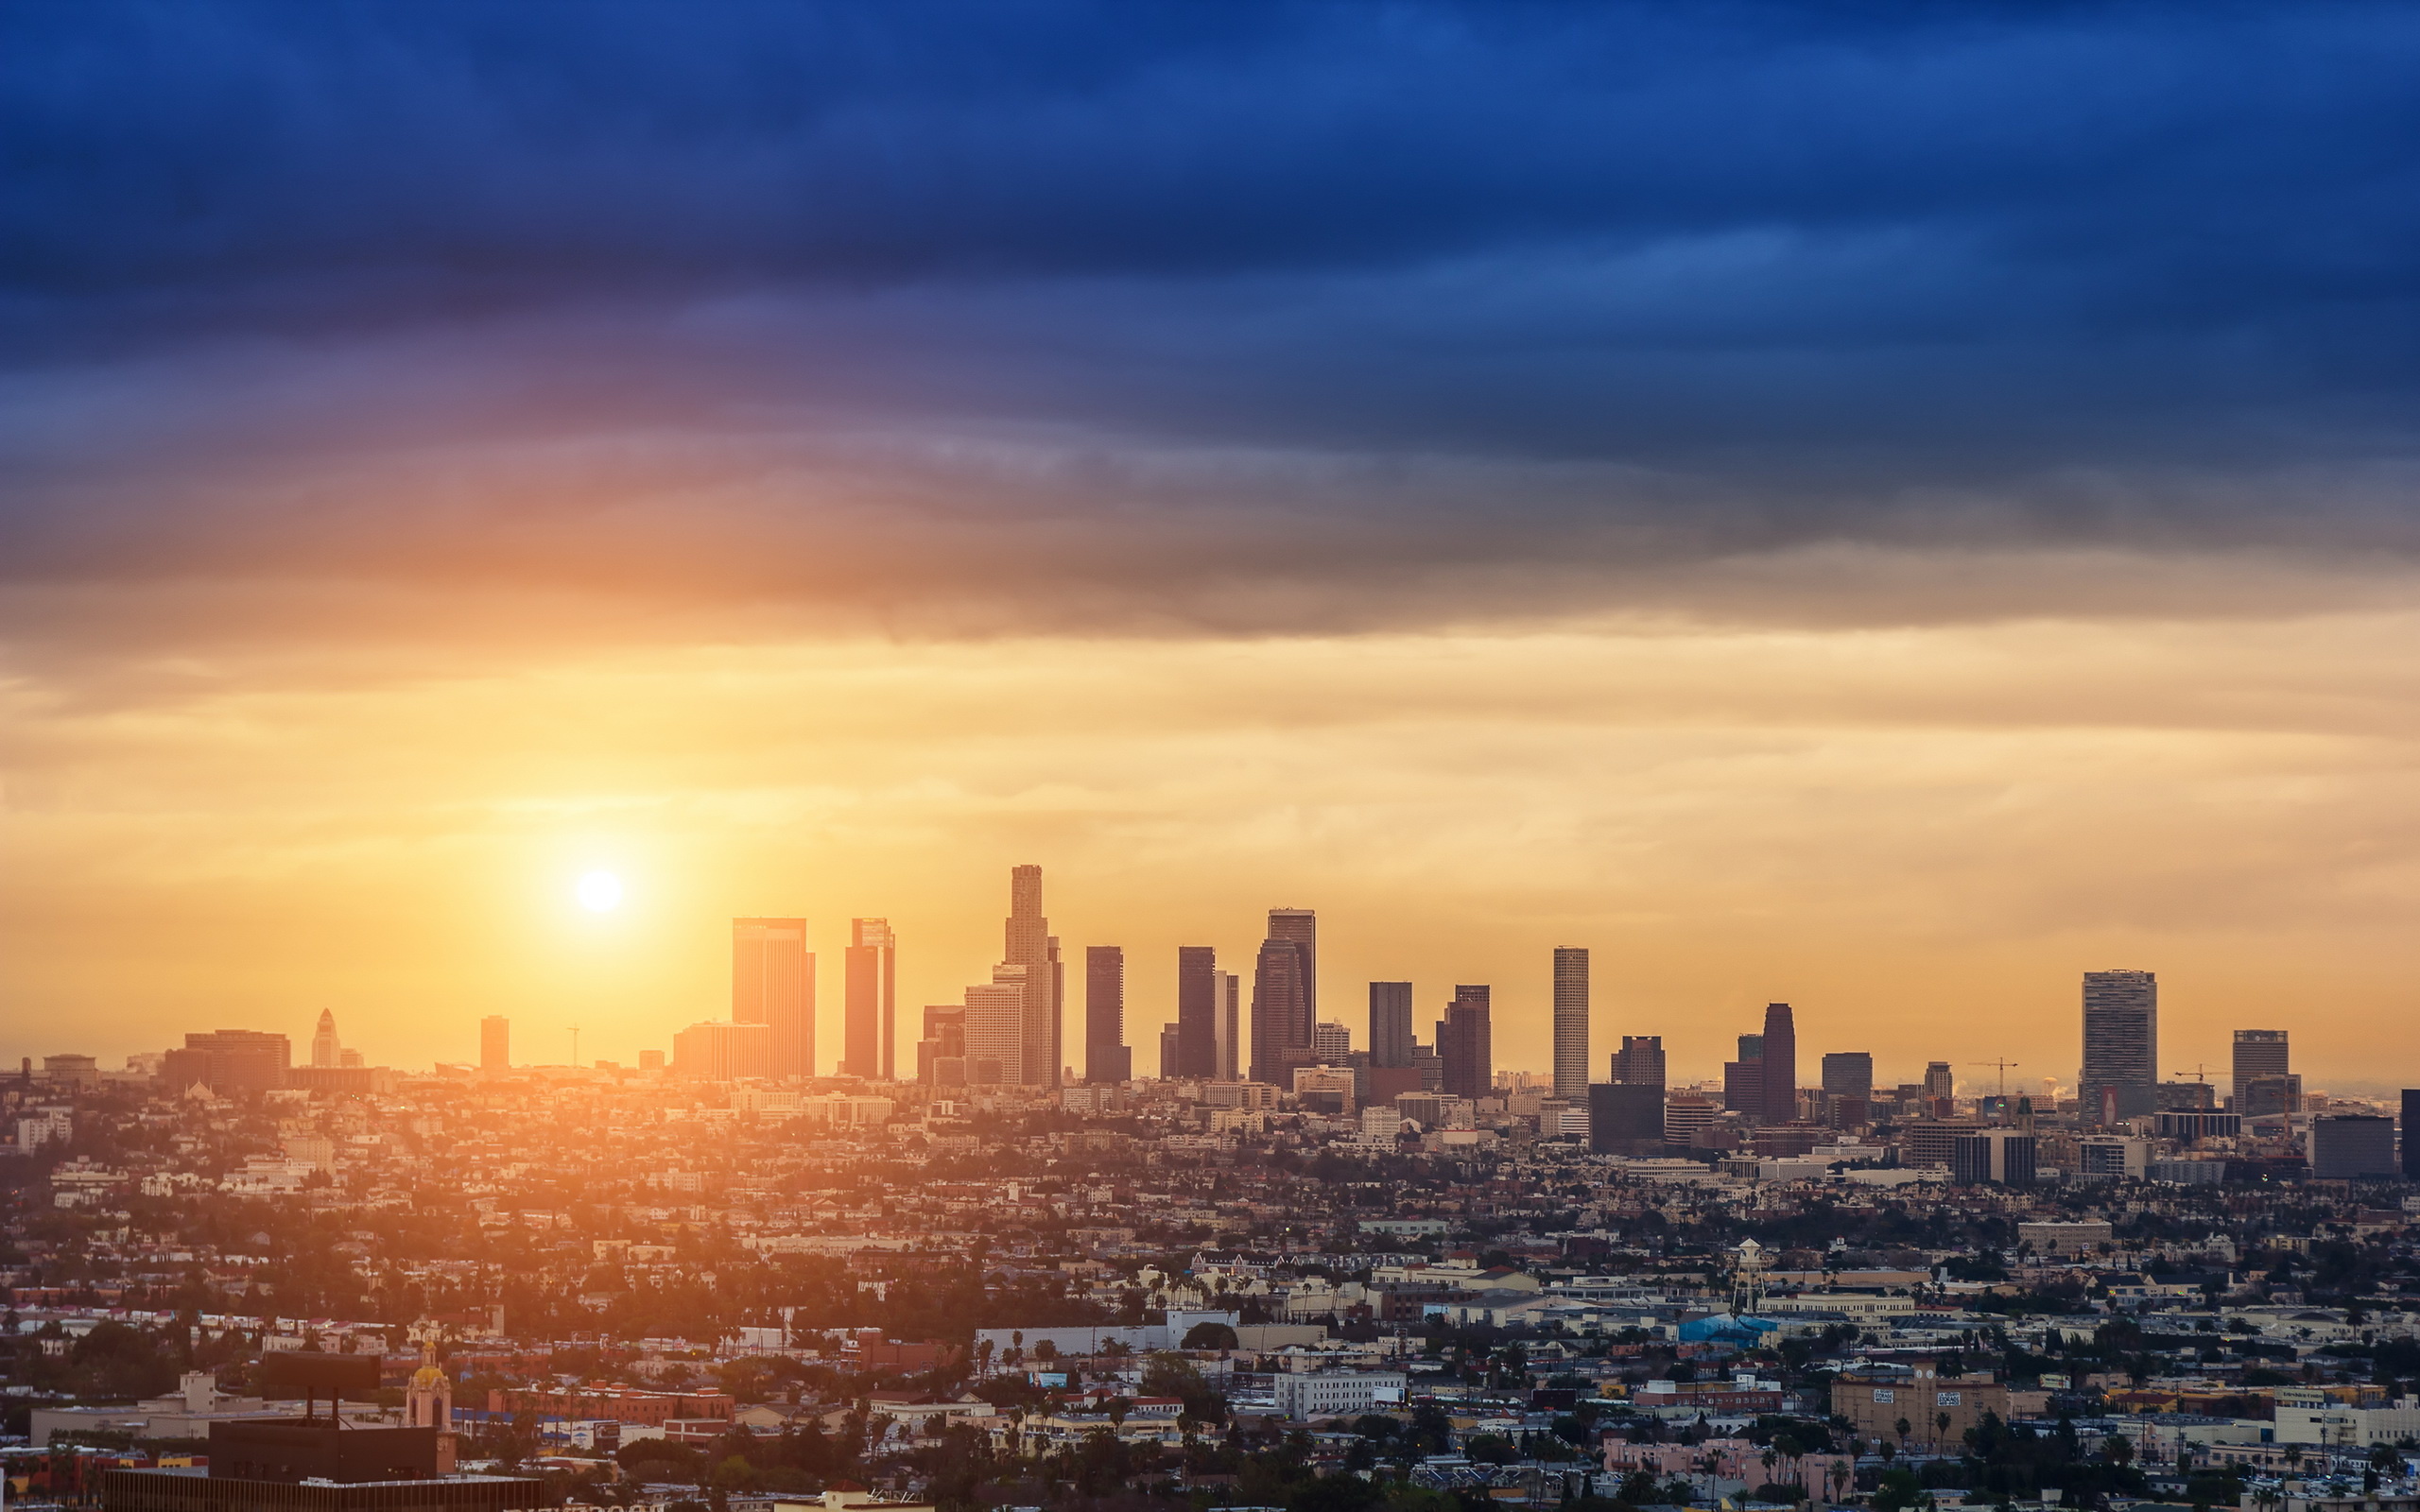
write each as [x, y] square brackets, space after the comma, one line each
[952, 317]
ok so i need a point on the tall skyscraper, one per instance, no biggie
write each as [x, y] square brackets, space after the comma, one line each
[2257, 1052]
[1227, 1017]
[1849, 1073]
[1389, 1026]
[1465, 1044]
[997, 1026]
[1640, 1061]
[495, 1042]
[1197, 1024]
[1571, 1022]
[1302, 926]
[326, 1049]
[1781, 1065]
[2121, 1072]
[1107, 1059]
[1281, 1008]
[1031, 945]
[871, 1004]
[772, 982]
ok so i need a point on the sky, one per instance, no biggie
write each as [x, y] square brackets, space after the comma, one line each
[1882, 507]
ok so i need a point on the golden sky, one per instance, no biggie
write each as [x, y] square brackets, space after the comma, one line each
[1920, 835]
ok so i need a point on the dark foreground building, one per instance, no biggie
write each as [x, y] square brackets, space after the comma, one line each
[312, 1465]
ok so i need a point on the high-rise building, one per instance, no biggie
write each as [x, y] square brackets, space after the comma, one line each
[1031, 945]
[1465, 1044]
[1389, 1026]
[495, 1042]
[2120, 1045]
[1849, 1073]
[1281, 1010]
[1940, 1081]
[2257, 1052]
[1227, 1017]
[998, 1027]
[718, 1051]
[1626, 1118]
[1107, 1059]
[326, 1052]
[772, 982]
[1332, 1042]
[1743, 1080]
[2351, 1146]
[1197, 1021]
[1171, 1056]
[229, 1060]
[2411, 1132]
[871, 1000]
[1302, 926]
[941, 1055]
[1781, 1065]
[2001, 1156]
[1571, 1023]
[1640, 1061]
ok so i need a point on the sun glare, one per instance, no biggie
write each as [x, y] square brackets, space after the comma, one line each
[601, 892]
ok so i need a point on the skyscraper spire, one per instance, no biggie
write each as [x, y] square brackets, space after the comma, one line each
[1030, 945]
[326, 1049]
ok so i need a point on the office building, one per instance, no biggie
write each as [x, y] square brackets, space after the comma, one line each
[1171, 1053]
[2411, 1122]
[869, 999]
[1107, 1060]
[1389, 1026]
[1303, 1394]
[1227, 1015]
[772, 982]
[1781, 1065]
[1032, 946]
[1332, 1043]
[2003, 1157]
[941, 1055]
[1940, 1083]
[2352, 1146]
[1570, 1022]
[2269, 1096]
[2257, 1052]
[1281, 1011]
[1626, 1118]
[998, 1028]
[1465, 1047]
[726, 1052]
[229, 1061]
[1685, 1114]
[1849, 1073]
[2120, 1045]
[1640, 1060]
[1197, 1014]
[326, 1053]
[1302, 926]
[495, 1042]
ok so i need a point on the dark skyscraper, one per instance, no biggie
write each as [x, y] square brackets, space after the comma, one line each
[1107, 1059]
[1281, 1011]
[2257, 1052]
[772, 982]
[1389, 1026]
[1571, 1023]
[1302, 926]
[1781, 1065]
[1465, 1044]
[870, 1000]
[2120, 1044]
[1640, 1061]
[2410, 1125]
[1031, 946]
[1849, 1073]
[1197, 1006]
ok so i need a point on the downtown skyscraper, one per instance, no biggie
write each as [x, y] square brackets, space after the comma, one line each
[1571, 1023]
[1197, 1008]
[1031, 946]
[1285, 996]
[870, 1000]
[772, 982]
[1391, 1036]
[1780, 1065]
[1107, 1059]
[1465, 1042]
[2120, 1075]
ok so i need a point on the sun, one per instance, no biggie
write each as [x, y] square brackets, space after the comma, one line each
[599, 893]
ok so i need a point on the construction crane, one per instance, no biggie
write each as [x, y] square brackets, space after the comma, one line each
[2005, 1067]
[2199, 1073]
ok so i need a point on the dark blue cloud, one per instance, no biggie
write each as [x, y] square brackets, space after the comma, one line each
[1731, 275]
